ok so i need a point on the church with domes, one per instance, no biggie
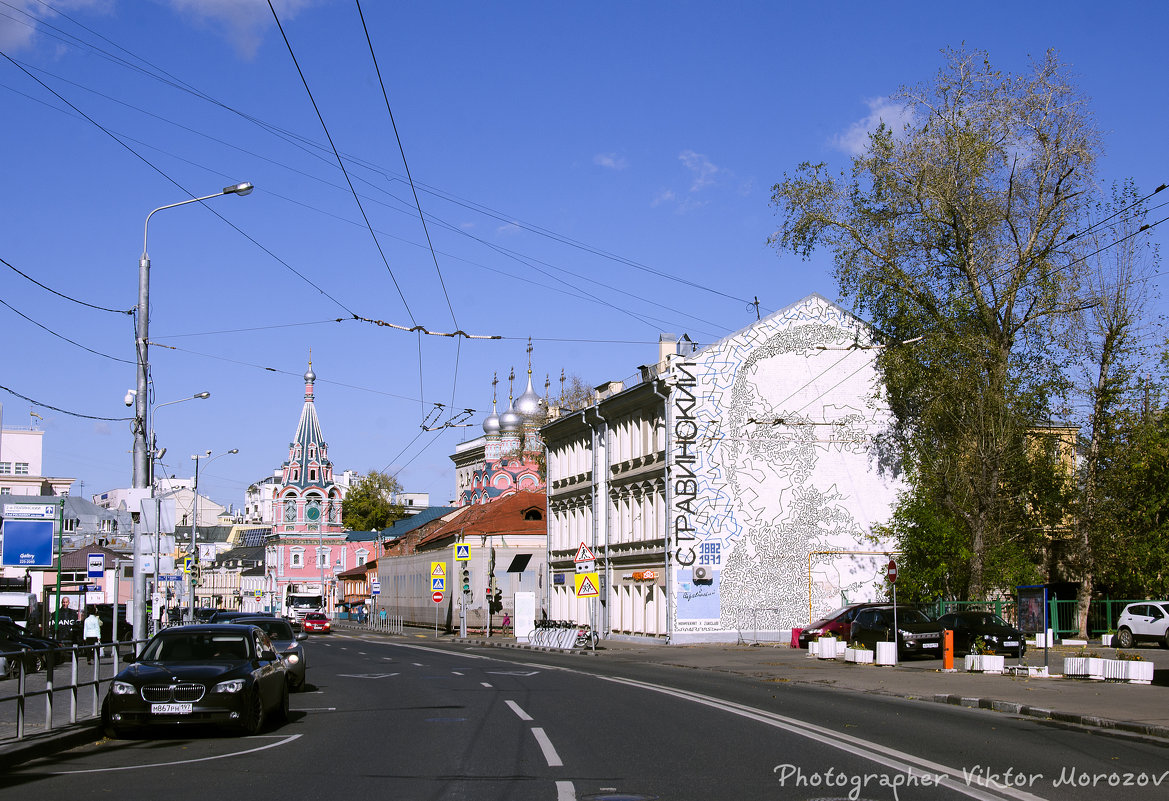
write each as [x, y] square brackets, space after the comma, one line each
[508, 457]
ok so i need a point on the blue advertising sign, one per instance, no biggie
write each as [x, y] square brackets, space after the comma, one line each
[28, 543]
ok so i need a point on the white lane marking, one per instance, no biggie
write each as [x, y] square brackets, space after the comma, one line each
[456, 673]
[316, 709]
[366, 675]
[485, 684]
[419, 664]
[519, 712]
[565, 791]
[882, 755]
[524, 673]
[285, 741]
[550, 754]
[445, 651]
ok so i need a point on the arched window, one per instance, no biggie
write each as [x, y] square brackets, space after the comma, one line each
[533, 514]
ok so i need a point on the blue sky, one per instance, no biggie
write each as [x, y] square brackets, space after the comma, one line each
[593, 174]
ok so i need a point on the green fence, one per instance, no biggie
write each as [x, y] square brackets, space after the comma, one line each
[1102, 614]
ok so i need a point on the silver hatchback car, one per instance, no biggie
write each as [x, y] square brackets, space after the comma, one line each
[1146, 620]
[288, 644]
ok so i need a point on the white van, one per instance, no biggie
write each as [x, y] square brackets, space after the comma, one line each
[22, 607]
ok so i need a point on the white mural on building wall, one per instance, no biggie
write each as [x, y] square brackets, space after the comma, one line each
[774, 471]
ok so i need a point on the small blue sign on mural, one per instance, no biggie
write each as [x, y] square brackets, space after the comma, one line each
[28, 543]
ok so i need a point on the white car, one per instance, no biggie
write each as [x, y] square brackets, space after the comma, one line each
[1147, 620]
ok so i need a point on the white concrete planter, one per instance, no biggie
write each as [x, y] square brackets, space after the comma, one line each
[1106, 640]
[985, 663]
[1140, 672]
[1134, 672]
[827, 647]
[841, 647]
[1084, 667]
[813, 649]
[859, 656]
[886, 653]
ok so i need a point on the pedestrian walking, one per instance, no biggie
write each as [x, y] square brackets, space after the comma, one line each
[91, 631]
[506, 622]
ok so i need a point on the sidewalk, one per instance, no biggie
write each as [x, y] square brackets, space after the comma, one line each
[1132, 708]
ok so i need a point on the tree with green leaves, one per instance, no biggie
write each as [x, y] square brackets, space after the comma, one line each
[1108, 340]
[950, 235]
[369, 503]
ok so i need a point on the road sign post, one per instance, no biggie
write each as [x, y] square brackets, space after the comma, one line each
[891, 577]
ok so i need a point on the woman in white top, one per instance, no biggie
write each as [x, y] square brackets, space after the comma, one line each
[91, 631]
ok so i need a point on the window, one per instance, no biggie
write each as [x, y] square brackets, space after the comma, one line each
[5, 490]
[297, 558]
[22, 468]
[5, 468]
[71, 524]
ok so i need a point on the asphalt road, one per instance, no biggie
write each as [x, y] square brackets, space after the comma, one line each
[407, 718]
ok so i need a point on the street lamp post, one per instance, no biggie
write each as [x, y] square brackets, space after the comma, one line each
[140, 476]
[155, 454]
[194, 554]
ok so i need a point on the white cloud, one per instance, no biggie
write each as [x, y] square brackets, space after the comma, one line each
[509, 229]
[610, 160]
[881, 109]
[19, 20]
[703, 170]
[242, 22]
[665, 196]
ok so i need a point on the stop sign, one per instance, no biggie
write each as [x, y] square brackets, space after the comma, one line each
[436, 596]
[891, 575]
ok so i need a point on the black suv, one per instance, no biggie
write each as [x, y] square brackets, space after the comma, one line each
[916, 633]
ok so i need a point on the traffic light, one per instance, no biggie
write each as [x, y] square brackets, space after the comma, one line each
[495, 602]
[467, 582]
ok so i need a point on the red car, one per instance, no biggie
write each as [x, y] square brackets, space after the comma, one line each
[318, 622]
[834, 624]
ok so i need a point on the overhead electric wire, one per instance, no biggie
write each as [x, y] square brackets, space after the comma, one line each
[405, 164]
[1098, 223]
[159, 170]
[515, 255]
[63, 411]
[61, 336]
[304, 143]
[340, 161]
[61, 295]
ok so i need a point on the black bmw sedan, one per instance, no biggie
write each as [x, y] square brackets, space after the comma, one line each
[221, 674]
[983, 631]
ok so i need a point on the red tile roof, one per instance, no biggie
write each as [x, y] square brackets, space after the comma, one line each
[499, 517]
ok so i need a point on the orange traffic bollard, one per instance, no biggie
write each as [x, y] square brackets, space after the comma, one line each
[947, 649]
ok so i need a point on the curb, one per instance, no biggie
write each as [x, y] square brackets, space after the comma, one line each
[36, 746]
[1094, 721]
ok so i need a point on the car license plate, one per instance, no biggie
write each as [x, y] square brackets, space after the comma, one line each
[171, 709]
[929, 645]
[1010, 642]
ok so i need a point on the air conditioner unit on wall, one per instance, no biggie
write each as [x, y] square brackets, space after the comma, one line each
[702, 573]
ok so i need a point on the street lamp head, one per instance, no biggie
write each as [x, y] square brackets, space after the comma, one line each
[234, 450]
[202, 395]
[242, 190]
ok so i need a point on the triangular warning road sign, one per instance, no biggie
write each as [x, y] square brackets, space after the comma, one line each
[583, 554]
[586, 586]
[438, 569]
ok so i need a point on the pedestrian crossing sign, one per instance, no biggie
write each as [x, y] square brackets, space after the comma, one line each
[437, 584]
[462, 552]
[587, 585]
